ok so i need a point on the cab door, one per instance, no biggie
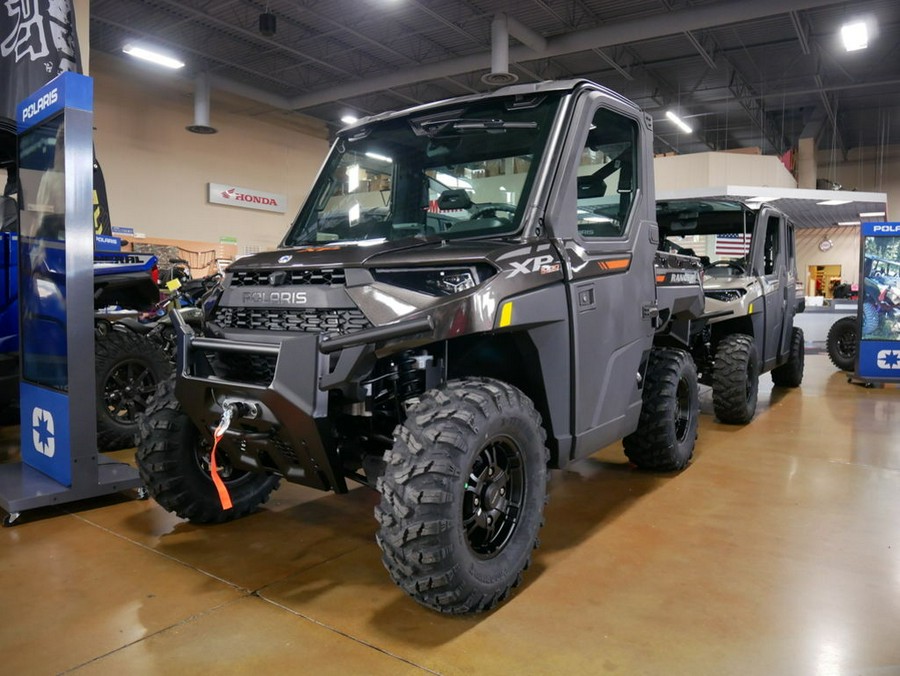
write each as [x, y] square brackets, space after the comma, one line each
[603, 218]
[778, 294]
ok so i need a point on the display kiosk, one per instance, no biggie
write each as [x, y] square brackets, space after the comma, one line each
[60, 462]
[879, 303]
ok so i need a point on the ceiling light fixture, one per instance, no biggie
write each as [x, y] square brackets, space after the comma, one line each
[153, 57]
[833, 203]
[855, 36]
[871, 214]
[380, 158]
[848, 222]
[268, 24]
[349, 119]
[761, 199]
[681, 124]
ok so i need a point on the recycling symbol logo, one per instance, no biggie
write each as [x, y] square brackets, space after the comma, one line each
[43, 435]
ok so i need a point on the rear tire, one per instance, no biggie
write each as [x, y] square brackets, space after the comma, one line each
[173, 461]
[735, 379]
[843, 341]
[790, 374]
[665, 437]
[462, 496]
[128, 369]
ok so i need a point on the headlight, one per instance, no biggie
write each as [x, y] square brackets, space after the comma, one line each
[725, 295]
[436, 281]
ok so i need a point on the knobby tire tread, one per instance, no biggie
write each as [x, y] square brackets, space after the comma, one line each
[166, 464]
[736, 369]
[418, 533]
[655, 445]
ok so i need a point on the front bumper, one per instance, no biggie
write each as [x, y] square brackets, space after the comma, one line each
[284, 425]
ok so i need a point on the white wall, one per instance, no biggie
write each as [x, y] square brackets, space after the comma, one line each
[866, 170]
[157, 172]
[702, 170]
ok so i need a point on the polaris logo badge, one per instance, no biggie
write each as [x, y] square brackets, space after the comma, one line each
[42, 103]
[43, 434]
[275, 297]
[886, 228]
[888, 360]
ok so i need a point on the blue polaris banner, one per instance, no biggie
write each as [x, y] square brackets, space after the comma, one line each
[879, 302]
[67, 90]
[44, 416]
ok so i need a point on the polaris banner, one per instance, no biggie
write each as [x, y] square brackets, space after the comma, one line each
[37, 42]
[879, 302]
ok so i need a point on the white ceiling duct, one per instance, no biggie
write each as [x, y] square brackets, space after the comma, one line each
[499, 75]
[201, 106]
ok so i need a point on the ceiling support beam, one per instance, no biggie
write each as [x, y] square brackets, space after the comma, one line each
[613, 33]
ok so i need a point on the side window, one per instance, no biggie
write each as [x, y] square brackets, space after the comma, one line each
[607, 175]
[772, 248]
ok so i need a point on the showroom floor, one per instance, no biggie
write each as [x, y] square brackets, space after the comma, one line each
[777, 551]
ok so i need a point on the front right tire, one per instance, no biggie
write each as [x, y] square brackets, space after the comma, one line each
[736, 379]
[667, 431]
[173, 461]
[462, 496]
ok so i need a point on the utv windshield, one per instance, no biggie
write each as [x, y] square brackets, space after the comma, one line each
[460, 172]
[719, 232]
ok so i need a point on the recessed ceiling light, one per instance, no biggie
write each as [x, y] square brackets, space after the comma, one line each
[855, 36]
[153, 56]
[848, 222]
[833, 203]
[871, 214]
[681, 124]
[349, 119]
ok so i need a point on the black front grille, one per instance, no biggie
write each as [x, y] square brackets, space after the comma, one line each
[310, 320]
[323, 276]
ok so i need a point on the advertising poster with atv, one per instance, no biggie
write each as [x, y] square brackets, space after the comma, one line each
[879, 348]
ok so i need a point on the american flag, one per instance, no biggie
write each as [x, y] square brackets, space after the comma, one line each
[736, 244]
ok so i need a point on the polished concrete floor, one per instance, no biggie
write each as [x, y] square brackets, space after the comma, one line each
[777, 551]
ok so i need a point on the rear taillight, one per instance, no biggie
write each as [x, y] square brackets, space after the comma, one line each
[154, 274]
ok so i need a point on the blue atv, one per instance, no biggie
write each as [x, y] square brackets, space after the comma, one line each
[128, 364]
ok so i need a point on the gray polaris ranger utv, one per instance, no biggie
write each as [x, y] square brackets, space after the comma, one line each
[471, 294]
[750, 275]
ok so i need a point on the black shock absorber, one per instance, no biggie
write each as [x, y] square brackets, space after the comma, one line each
[407, 377]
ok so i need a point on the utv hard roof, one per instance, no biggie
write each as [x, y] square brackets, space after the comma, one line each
[514, 90]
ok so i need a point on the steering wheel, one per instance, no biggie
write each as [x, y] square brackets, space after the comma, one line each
[490, 211]
[734, 265]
